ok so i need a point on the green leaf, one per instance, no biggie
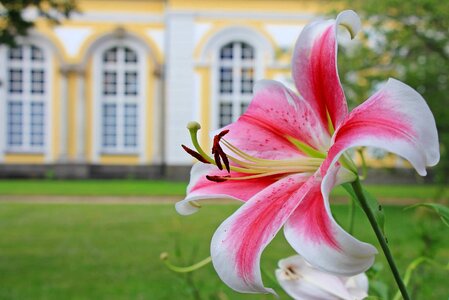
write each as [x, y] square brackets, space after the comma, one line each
[441, 210]
[375, 207]
[415, 264]
[379, 288]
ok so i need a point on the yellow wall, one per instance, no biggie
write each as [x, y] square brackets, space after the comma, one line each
[253, 5]
[119, 159]
[24, 158]
[156, 6]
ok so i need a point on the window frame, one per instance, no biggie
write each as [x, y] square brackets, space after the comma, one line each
[264, 54]
[99, 99]
[26, 98]
[237, 98]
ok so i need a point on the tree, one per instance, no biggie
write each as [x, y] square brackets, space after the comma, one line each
[13, 23]
[408, 40]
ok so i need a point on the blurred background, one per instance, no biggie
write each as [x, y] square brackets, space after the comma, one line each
[94, 101]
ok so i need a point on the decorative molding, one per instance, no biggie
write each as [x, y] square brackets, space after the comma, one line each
[78, 69]
[244, 15]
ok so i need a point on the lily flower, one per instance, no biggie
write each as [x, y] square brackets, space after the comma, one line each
[284, 155]
[303, 281]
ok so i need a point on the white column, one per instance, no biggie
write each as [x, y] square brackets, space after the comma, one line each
[80, 116]
[64, 115]
[179, 86]
[3, 104]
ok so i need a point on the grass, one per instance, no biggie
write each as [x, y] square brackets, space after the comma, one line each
[167, 188]
[97, 251]
[92, 187]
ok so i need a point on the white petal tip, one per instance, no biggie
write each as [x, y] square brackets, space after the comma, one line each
[351, 21]
[186, 208]
[433, 159]
[422, 172]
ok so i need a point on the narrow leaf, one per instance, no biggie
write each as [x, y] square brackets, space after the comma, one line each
[441, 210]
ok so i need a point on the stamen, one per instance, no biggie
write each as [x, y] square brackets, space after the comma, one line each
[217, 159]
[195, 154]
[218, 178]
[219, 154]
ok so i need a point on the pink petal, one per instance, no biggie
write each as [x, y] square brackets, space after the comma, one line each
[239, 241]
[314, 66]
[397, 119]
[200, 188]
[279, 111]
[259, 141]
[313, 233]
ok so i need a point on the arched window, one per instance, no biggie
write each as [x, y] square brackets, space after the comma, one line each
[120, 98]
[27, 93]
[236, 75]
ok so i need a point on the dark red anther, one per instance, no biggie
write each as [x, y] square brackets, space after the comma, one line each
[217, 159]
[195, 154]
[226, 162]
[219, 154]
[217, 178]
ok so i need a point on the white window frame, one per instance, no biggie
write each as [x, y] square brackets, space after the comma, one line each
[26, 97]
[264, 55]
[98, 99]
[236, 64]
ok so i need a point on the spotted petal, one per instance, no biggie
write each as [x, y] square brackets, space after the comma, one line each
[238, 243]
[277, 110]
[314, 66]
[312, 231]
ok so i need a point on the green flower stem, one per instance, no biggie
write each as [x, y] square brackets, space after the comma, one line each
[380, 237]
[188, 269]
[351, 216]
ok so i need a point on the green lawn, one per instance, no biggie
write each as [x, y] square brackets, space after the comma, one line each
[92, 187]
[167, 188]
[98, 251]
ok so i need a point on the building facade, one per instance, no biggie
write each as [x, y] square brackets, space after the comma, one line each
[108, 93]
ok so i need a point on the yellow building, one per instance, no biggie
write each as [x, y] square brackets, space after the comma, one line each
[109, 92]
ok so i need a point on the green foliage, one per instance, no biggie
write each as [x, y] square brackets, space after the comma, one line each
[14, 23]
[441, 210]
[407, 40]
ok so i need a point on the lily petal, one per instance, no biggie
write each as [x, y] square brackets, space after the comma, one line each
[259, 140]
[312, 231]
[238, 243]
[314, 66]
[358, 286]
[200, 188]
[278, 109]
[302, 281]
[397, 119]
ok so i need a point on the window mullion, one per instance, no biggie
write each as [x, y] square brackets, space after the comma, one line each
[120, 98]
[237, 71]
[26, 98]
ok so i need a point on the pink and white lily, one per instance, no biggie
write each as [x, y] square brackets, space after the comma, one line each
[284, 155]
[302, 281]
